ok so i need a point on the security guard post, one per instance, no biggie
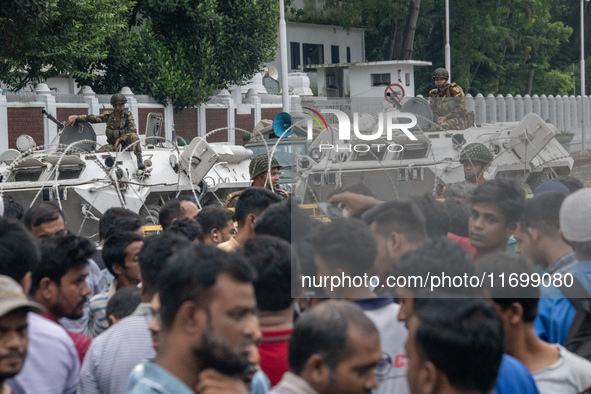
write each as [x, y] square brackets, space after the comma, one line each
[121, 128]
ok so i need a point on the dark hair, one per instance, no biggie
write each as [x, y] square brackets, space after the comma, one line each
[192, 272]
[187, 227]
[58, 256]
[17, 260]
[437, 220]
[437, 256]
[324, 330]
[503, 263]
[170, 211]
[463, 338]
[507, 194]
[154, 256]
[42, 213]
[214, 217]
[110, 224]
[276, 221]
[13, 209]
[542, 212]
[400, 216]
[254, 200]
[271, 258]
[124, 302]
[114, 249]
[459, 214]
[347, 244]
[573, 184]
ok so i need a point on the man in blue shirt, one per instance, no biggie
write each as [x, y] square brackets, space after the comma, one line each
[208, 324]
[556, 313]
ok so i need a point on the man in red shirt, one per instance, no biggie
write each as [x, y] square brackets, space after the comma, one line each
[58, 282]
[271, 258]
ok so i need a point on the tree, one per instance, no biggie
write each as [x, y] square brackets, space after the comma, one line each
[188, 48]
[45, 38]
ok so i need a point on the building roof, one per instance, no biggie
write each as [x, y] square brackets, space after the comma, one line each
[369, 64]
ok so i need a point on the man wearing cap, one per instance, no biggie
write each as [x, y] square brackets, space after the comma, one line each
[14, 340]
[475, 158]
[556, 314]
[261, 177]
[121, 128]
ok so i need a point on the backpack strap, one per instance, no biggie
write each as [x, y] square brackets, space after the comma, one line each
[577, 295]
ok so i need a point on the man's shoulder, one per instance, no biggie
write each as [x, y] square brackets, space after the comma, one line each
[40, 326]
[100, 300]
[434, 93]
[455, 88]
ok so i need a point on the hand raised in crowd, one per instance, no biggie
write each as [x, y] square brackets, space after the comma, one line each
[354, 203]
[214, 382]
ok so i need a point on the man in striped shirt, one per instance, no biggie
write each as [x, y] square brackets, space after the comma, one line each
[120, 254]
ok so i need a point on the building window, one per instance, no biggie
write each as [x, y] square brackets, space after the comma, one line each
[295, 55]
[348, 54]
[313, 53]
[334, 54]
[380, 79]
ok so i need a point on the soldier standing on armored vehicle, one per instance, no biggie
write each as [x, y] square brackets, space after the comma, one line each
[121, 128]
[448, 104]
[475, 158]
[261, 177]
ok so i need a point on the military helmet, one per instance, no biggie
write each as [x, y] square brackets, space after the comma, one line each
[260, 164]
[476, 152]
[440, 73]
[118, 98]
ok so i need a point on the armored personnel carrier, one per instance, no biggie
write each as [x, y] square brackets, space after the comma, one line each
[402, 167]
[85, 183]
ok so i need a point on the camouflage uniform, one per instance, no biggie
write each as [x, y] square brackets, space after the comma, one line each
[123, 128]
[450, 103]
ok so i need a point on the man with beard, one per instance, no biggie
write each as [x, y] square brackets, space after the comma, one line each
[208, 324]
[59, 282]
[334, 348]
[14, 340]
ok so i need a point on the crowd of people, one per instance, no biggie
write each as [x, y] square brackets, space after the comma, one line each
[216, 303]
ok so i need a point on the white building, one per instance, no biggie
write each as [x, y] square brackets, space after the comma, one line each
[314, 44]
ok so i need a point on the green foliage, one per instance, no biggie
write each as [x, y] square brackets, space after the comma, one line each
[189, 48]
[502, 46]
[45, 38]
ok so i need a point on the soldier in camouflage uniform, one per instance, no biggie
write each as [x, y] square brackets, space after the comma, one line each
[259, 173]
[476, 158]
[448, 104]
[121, 128]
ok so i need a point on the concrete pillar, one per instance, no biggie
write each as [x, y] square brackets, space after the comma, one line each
[50, 129]
[559, 113]
[131, 102]
[544, 114]
[230, 112]
[491, 109]
[201, 121]
[253, 98]
[91, 100]
[552, 109]
[501, 109]
[567, 113]
[536, 104]
[480, 108]
[574, 114]
[470, 103]
[518, 108]
[510, 107]
[3, 123]
[168, 122]
[527, 104]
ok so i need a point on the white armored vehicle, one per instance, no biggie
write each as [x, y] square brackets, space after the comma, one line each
[401, 167]
[85, 183]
